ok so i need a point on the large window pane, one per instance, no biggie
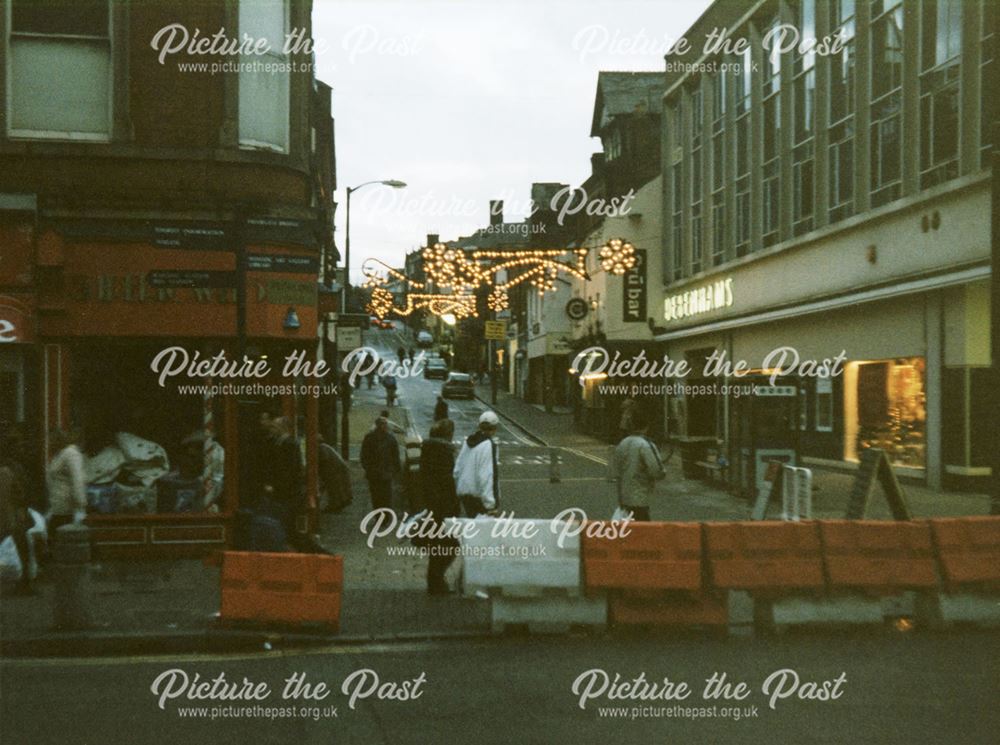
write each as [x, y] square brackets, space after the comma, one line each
[264, 80]
[59, 86]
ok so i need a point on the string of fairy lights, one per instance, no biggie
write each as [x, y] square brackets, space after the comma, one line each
[463, 272]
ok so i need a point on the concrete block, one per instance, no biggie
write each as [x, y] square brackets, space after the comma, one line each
[556, 615]
[514, 565]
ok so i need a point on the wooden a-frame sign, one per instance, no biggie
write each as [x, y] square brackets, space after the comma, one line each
[875, 465]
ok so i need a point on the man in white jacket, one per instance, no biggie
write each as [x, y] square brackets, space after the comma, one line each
[476, 476]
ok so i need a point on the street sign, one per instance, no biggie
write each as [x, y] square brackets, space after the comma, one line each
[348, 338]
[175, 278]
[286, 263]
[496, 330]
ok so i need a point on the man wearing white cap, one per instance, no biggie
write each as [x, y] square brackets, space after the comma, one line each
[477, 479]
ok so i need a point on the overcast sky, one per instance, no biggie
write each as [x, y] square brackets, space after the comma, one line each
[470, 101]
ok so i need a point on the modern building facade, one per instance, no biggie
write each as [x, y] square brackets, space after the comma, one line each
[837, 203]
[146, 201]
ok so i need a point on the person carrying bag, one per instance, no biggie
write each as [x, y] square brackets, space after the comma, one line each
[636, 467]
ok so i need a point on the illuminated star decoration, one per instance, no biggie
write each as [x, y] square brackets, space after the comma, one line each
[498, 300]
[617, 256]
[381, 302]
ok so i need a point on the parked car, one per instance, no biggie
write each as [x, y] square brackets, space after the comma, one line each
[458, 385]
[436, 368]
[376, 322]
[387, 325]
[424, 339]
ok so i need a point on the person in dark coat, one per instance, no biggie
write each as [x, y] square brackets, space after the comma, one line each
[335, 477]
[380, 459]
[437, 463]
[14, 518]
[440, 410]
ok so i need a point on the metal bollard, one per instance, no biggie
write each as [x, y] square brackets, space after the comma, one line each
[71, 554]
[554, 477]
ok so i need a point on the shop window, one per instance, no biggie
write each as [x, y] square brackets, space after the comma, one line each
[265, 79]
[60, 70]
[145, 444]
[889, 410]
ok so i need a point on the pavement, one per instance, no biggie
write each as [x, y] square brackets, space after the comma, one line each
[174, 604]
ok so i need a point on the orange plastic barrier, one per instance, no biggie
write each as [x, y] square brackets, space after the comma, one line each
[766, 555]
[969, 550]
[664, 556]
[282, 588]
[878, 555]
[627, 608]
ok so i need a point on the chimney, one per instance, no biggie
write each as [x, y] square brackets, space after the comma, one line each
[496, 212]
[433, 238]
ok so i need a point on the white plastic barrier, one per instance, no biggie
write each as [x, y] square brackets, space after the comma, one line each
[796, 493]
[520, 558]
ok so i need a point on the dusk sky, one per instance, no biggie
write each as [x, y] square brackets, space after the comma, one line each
[470, 101]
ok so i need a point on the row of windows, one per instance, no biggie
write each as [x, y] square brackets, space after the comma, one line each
[62, 72]
[786, 88]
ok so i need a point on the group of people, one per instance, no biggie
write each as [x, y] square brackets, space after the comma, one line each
[66, 489]
[448, 484]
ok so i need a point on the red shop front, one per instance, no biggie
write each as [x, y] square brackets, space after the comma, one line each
[168, 460]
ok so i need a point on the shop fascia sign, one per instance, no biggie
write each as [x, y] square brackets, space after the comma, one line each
[142, 288]
[698, 300]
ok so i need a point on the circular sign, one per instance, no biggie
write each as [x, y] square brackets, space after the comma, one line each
[577, 309]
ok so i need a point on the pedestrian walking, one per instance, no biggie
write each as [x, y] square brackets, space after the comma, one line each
[409, 354]
[636, 467]
[284, 477]
[477, 477]
[394, 428]
[440, 409]
[66, 480]
[380, 459]
[389, 383]
[15, 521]
[334, 477]
[437, 480]
[401, 354]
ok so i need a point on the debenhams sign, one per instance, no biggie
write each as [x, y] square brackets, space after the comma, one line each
[699, 300]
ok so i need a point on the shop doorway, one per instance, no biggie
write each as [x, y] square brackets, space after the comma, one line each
[885, 407]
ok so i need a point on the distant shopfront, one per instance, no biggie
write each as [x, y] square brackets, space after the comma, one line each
[910, 384]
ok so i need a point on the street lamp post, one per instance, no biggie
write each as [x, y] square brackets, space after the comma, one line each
[345, 424]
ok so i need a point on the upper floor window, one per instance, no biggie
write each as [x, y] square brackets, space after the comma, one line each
[887, 46]
[265, 79]
[613, 144]
[942, 37]
[60, 70]
[939, 90]
[987, 73]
